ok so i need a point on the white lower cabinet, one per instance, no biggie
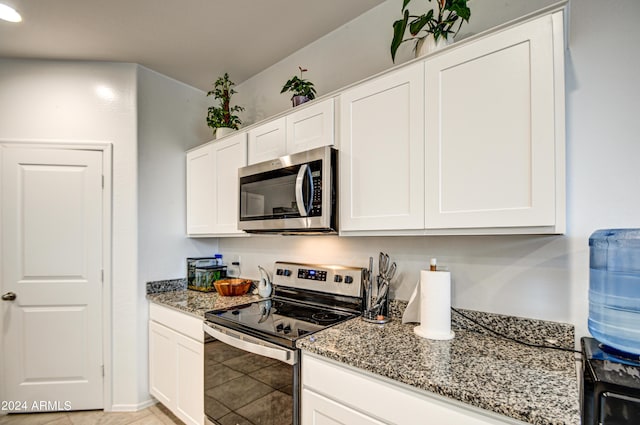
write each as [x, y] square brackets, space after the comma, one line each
[336, 394]
[320, 410]
[176, 368]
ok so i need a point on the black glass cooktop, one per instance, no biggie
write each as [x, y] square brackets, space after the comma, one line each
[277, 320]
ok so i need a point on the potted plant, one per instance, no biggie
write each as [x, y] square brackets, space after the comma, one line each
[223, 116]
[303, 90]
[422, 27]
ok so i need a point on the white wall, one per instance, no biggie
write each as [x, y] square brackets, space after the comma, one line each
[356, 51]
[171, 120]
[151, 121]
[534, 276]
[43, 101]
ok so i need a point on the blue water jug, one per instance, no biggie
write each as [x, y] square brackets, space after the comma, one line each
[614, 288]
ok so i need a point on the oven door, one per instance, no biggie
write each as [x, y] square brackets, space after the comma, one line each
[292, 193]
[248, 380]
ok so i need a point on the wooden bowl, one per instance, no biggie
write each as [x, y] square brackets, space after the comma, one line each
[232, 287]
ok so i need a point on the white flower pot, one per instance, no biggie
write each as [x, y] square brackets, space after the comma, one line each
[223, 131]
[428, 44]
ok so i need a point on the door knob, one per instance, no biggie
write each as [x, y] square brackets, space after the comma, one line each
[9, 296]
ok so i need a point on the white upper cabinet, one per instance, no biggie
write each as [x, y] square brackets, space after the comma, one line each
[382, 152]
[200, 199]
[474, 145]
[230, 154]
[309, 127]
[469, 140]
[267, 141]
[495, 131]
[212, 187]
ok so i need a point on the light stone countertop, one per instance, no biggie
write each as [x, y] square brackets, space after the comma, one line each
[198, 303]
[534, 385]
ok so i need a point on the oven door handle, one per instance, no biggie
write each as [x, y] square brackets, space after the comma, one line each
[250, 344]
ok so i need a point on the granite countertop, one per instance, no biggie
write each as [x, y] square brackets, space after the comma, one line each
[534, 385]
[174, 294]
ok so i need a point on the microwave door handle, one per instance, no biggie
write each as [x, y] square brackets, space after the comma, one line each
[303, 209]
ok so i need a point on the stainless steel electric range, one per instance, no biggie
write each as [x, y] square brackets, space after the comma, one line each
[252, 365]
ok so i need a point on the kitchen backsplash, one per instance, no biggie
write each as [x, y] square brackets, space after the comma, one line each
[166, 285]
[530, 331]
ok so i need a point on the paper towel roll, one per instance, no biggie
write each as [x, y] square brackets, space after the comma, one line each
[412, 311]
[435, 305]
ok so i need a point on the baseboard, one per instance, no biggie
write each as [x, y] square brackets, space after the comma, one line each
[132, 407]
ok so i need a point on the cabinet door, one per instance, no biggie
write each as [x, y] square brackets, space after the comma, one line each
[200, 197]
[190, 380]
[162, 362]
[229, 155]
[319, 410]
[492, 135]
[176, 372]
[311, 127]
[267, 141]
[382, 152]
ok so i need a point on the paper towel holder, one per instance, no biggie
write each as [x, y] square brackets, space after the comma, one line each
[440, 336]
[435, 304]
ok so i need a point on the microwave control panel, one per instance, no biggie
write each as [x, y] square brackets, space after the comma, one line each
[316, 202]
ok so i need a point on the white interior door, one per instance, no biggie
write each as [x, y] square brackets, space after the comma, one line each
[52, 262]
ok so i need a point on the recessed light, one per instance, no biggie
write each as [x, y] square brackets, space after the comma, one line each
[9, 14]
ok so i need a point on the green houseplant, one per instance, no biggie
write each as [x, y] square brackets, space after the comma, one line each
[439, 26]
[223, 116]
[303, 90]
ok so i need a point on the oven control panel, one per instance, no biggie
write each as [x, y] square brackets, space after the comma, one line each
[312, 274]
[333, 279]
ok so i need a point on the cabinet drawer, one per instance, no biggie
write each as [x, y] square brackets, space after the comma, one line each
[183, 323]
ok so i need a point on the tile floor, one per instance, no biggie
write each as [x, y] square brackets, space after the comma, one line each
[154, 415]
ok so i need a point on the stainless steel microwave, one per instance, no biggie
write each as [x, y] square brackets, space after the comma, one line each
[293, 194]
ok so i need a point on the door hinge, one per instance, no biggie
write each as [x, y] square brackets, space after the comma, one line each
[103, 371]
[103, 181]
[102, 275]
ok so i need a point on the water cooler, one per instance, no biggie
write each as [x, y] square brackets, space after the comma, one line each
[610, 387]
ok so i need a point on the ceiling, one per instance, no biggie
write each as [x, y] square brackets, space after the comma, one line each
[193, 41]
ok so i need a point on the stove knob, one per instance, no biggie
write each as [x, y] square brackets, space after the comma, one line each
[287, 329]
[287, 272]
[348, 279]
[279, 327]
[279, 272]
[337, 278]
